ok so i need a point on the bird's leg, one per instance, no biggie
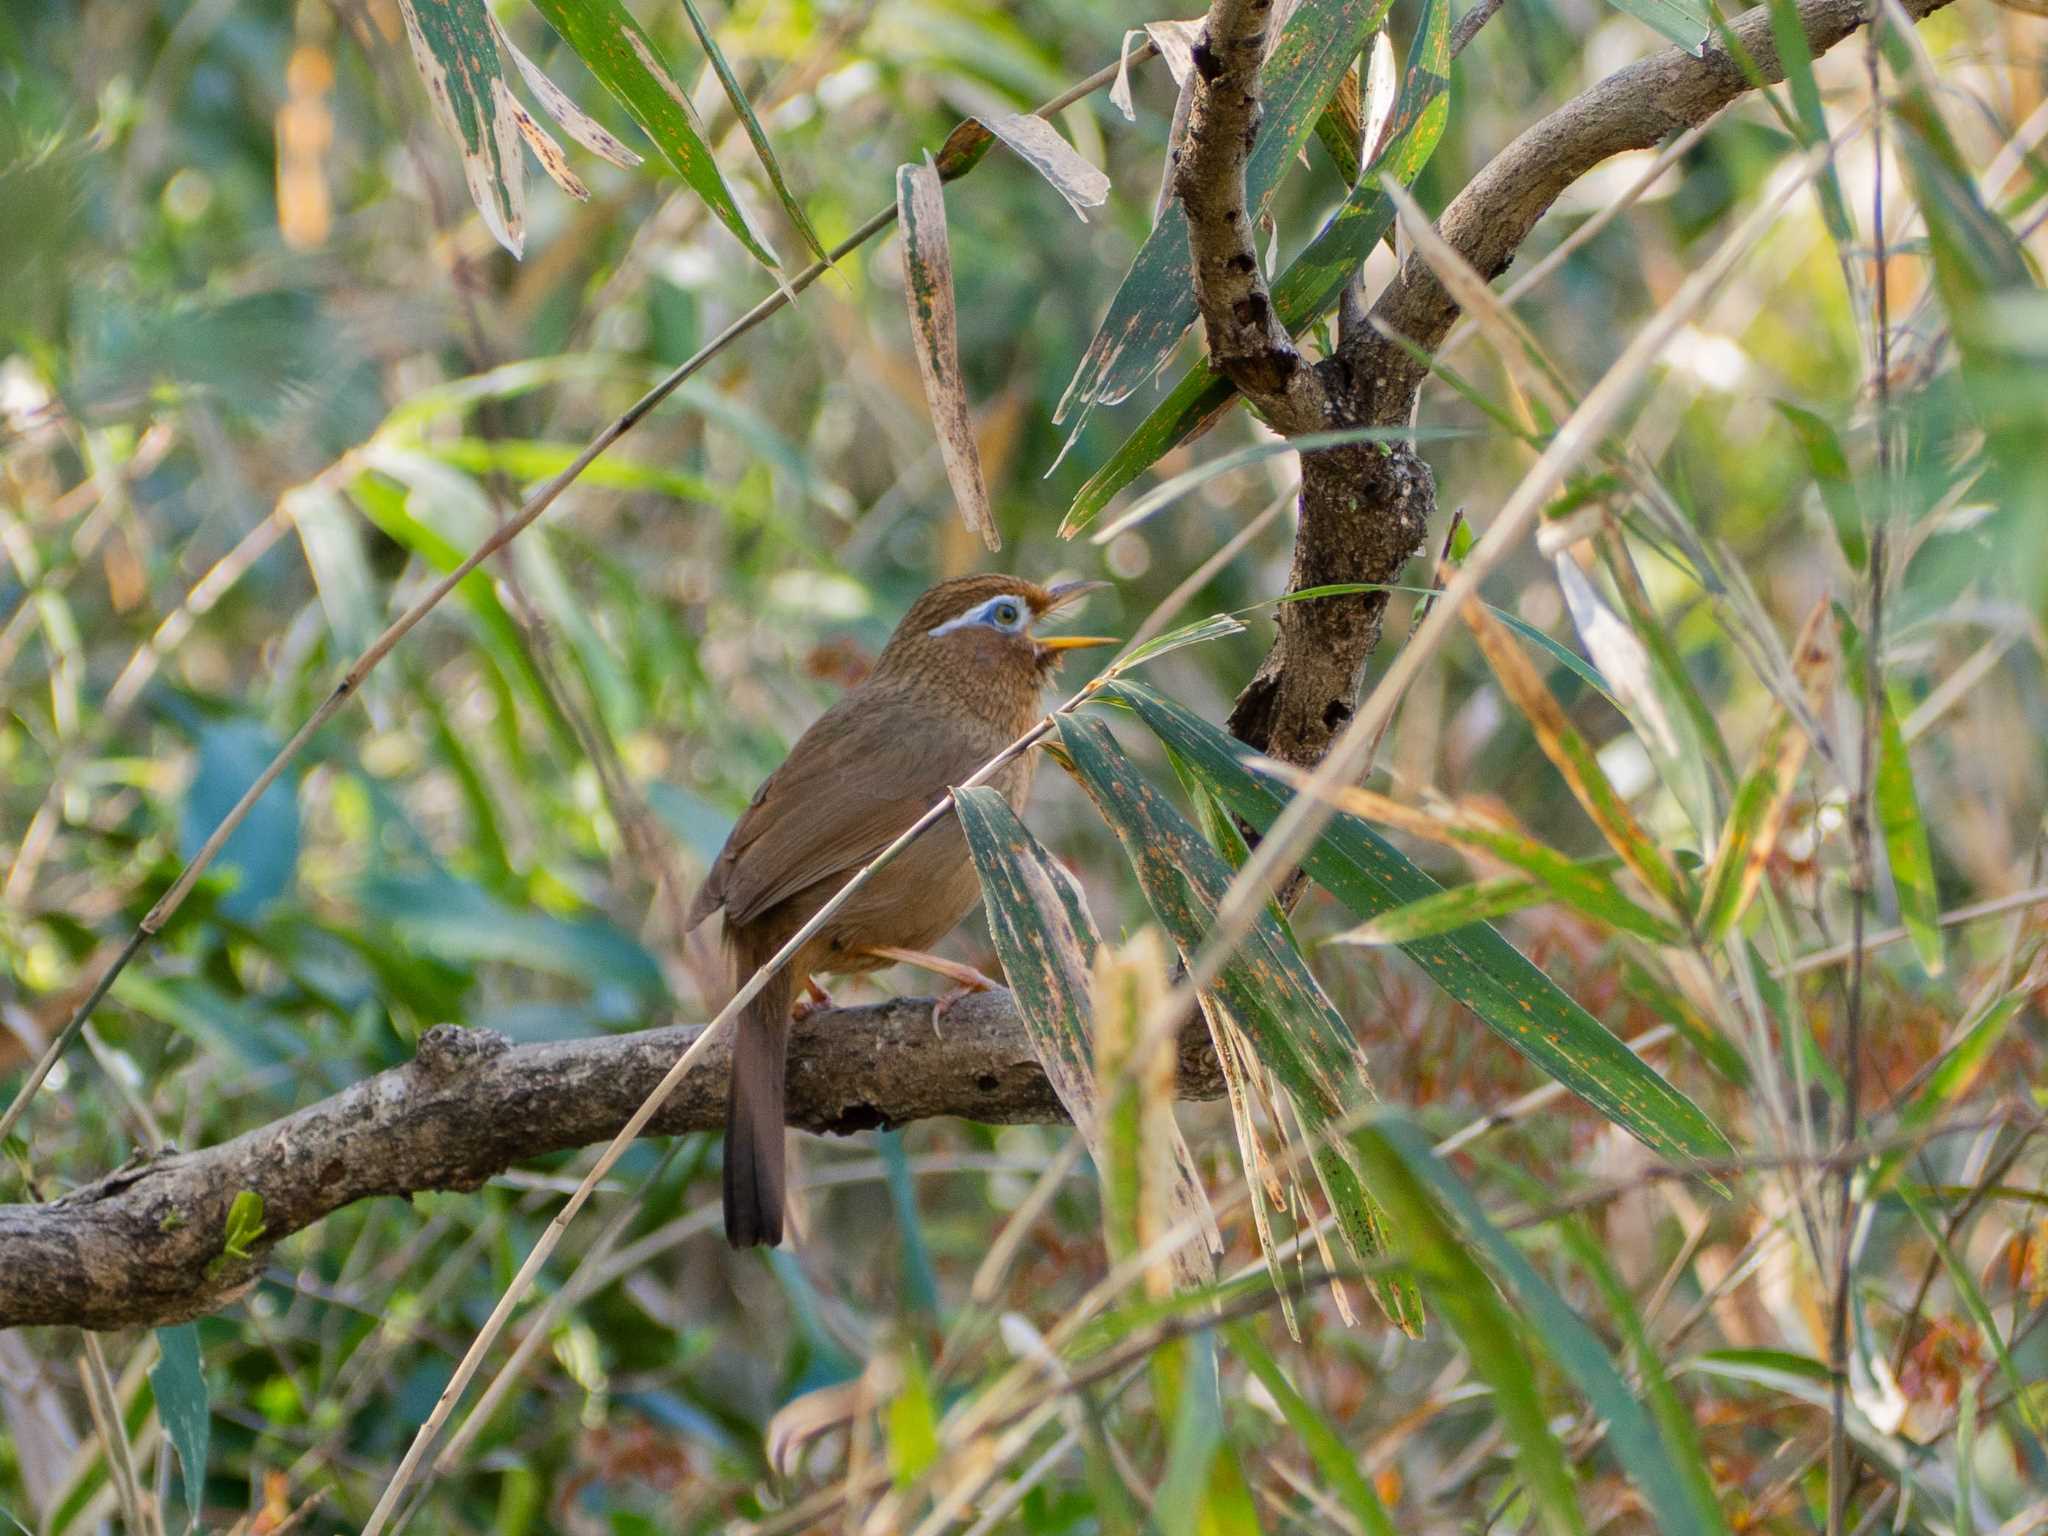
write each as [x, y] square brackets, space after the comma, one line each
[814, 998]
[967, 980]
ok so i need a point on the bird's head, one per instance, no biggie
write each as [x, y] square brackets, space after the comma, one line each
[982, 626]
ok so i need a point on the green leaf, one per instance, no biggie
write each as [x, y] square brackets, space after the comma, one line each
[456, 50]
[1905, 839]
[1325, 1446]
[1155, 303]
[1170, 491]
[1585, 885]
[1795, 57]
[179, 1382]
[1463, 1293]
[1218, 626]
[460, 52]
[1474, 965]
[1573, 755]
[1266, 988]
[622, 57]
[1311, 282]
[912, 1424]
[1685, 22]
[1637, 1441]
[1674, 1417]
[1046, 940]
[1754, 821]
[756, 135]
[1897, 802]
[1830, 467]
[1203, 1492]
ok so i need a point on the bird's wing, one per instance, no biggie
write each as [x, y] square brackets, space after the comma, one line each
[852, 783]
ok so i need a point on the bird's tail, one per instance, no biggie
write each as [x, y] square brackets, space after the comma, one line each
[754, 1113]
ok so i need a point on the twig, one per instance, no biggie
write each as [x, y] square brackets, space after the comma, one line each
[1976, 911]
[1861, 852]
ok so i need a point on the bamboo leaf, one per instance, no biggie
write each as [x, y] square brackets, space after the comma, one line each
[1265, 990]
[1905, 839]
[1310, 284]
[179, 1381]
[756, 135]
[1493, 1341]
[456, 51]
[1047, 943]
[622, 57]
[1685, 22]
[1795, 57]
[935, 338]
[1758, 814]
[1830, 469]
[1325, 1446]
[1039, 145]
[1475, 965]
[1681, 1503]
[1585, 886]
[1897, 802]
[1574, 757]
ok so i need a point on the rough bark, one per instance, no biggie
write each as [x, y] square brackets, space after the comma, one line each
[143, 1245]
[1365, 507]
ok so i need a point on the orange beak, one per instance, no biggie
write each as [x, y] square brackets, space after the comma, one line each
[1074, 642]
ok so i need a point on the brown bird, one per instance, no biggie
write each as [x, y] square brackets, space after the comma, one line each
[958, 681]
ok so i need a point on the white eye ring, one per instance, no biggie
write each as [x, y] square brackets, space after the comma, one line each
[1004, 613]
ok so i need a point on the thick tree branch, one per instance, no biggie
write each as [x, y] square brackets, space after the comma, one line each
[1634, 108]
[1364, 508]
[1246, 339]
[1364, 511]
[144, 1245]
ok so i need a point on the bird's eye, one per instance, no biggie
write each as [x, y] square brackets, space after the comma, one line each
[1005, 613]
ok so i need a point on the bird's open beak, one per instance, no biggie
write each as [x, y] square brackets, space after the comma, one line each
[1059, 597]
[1071, 591]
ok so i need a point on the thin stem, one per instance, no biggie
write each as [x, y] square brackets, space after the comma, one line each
[1840, 1487]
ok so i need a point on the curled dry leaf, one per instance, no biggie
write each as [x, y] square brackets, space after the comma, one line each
[935, 338]
[1039, 145]
[578, 124]
[453, 46]
[1175, 41]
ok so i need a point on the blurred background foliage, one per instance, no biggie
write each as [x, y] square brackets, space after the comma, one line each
[264, 374]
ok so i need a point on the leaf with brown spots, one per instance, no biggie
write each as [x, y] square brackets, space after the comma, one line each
[622, 57]
[935, 338]
[1266, 989]
[1047, 943]
[1473, 964]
